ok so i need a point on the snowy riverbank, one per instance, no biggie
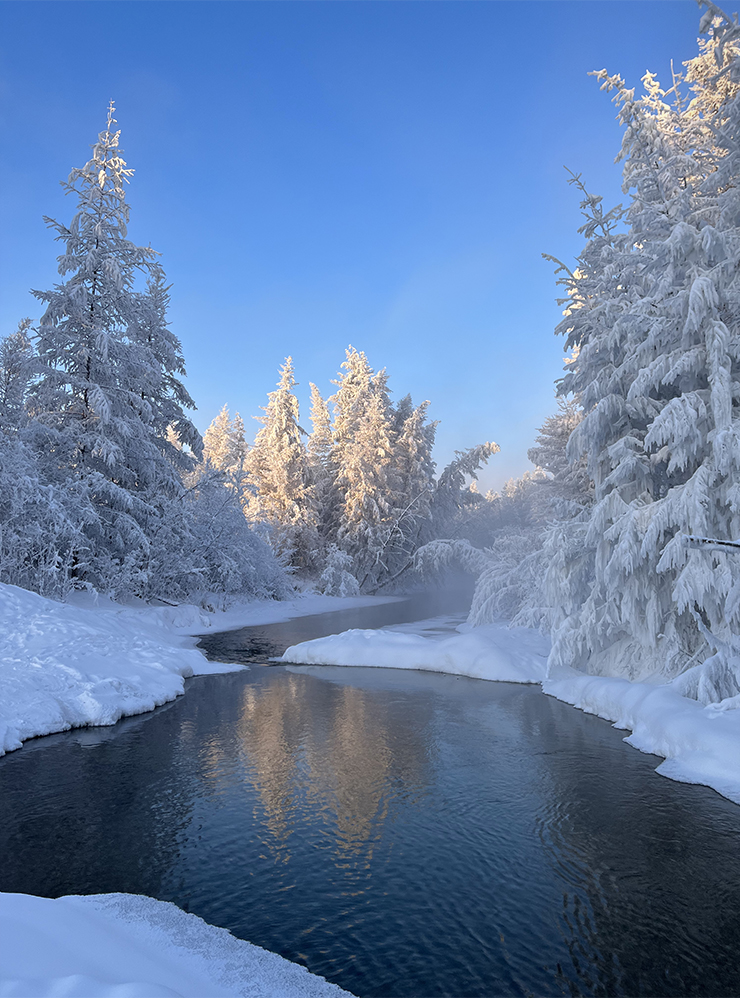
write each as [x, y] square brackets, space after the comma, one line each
[128, 946]
[699, 744]
[92, 662]
[515, 655]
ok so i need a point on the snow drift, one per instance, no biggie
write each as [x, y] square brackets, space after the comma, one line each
[130, 946]
[64, 666]
[516, 655]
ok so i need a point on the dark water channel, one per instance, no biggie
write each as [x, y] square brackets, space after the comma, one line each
[401, 833]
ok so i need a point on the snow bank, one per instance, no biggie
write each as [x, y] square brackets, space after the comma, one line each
[496, 652]
[129, 946]
[699, 744]
[64, 666]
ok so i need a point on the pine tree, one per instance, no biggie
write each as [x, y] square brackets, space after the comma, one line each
[363, 481]
[412, 484]
[107, 387]
[16, 369]
[566, 479]
[656, 370]
[357, 384]
[225, 450]
[161, 362]
[280, 477]
[320, 443]
[40, 521]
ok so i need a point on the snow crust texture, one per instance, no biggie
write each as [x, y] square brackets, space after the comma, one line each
[130, 946]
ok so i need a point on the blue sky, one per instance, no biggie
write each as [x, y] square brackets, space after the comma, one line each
[315, 174]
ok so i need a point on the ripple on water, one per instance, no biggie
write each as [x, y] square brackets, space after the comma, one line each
[402, 834]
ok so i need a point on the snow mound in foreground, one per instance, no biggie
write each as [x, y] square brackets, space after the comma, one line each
[130, 946]
[699, 744]
[65, 666]
[494, 652]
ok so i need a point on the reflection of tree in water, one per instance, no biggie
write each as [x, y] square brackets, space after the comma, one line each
[340, 751]
[269, 727]
[351, 769]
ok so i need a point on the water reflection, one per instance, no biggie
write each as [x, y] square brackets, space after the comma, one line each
[402, 833]
[335, 749]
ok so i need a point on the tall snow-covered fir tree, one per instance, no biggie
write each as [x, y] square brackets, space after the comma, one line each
[94, 440]
[413, 482]
[653, 315]
[381, 474]
[281, 494]
[107, 386]
[225, 450]
[40, 521]
[16, 370]
[364, 482]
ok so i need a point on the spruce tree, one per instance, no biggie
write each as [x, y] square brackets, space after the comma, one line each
[225, 450]
[16, 369]
[657, 370]
[363, 481]
[107, 387]
[280, 478]
[322, 471]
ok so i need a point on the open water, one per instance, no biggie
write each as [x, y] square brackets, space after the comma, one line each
[403, 834]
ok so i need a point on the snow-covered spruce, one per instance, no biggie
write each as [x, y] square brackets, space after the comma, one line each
[107, 387]
[652, 317]
[362, 484]
[280, 495]
[94, 439]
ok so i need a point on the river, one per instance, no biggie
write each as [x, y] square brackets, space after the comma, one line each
[401, 833]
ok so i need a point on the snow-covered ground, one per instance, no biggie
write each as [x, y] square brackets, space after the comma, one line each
[516, 655]
[129, 946]
[65, 666]
[699, 744]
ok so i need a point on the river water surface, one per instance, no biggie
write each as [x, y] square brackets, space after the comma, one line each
[403, 834]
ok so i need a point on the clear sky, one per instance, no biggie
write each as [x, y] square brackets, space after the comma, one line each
[315, 174]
